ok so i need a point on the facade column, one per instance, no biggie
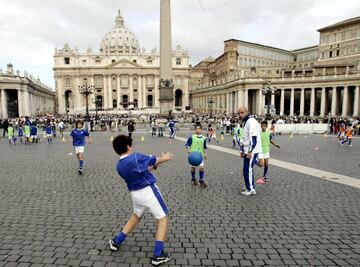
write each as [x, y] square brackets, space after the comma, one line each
[246, 98]
[77, 96]
[260, 102]
[110, 92]
[131, 89]
[93, 96]
[4, 104]
[144, 91]
[334, 102]
[240, 98]
[345, 101]
[227, 103]
[105, 92]
[20, 103]
[282, 101]
[26, 103]
[302, 101]
[60, 96]
[156, 92]
[312, 102]
[272, 100]
[292, 99]
[140, 91]
[323, 102]
[356, 101]
[118, 92]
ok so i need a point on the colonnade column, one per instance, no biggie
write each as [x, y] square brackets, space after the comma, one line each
[345, 101]
[246, 98]
[110, 92]
[356, 101]
[282, 101]
[118, 91]
[260, 102]
[292, 99]
[302, 101]
[312, 102]
[105, 92]
[323, 101]
[334, 102]
[4, 104]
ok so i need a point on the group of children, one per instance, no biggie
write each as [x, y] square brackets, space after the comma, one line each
[28, 132]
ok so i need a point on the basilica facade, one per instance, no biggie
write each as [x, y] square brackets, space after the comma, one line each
[319, 80]
[122, 76]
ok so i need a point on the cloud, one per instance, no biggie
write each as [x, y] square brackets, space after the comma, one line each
[30, 30]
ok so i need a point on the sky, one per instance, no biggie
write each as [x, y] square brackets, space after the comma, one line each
[31, 29]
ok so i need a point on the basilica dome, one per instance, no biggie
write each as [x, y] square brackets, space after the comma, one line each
[120, 40]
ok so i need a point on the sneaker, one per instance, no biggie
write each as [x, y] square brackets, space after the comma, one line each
[194, 182]
[113, 245]
[203, 184]
[80, 171]
[249, 193]
[164, 258]
[350, 145]
[266, 179]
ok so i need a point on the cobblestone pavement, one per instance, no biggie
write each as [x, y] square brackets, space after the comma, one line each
[315, 151]
[51, 216]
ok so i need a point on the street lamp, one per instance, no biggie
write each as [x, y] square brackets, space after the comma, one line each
[210, 102]
[268, 92]
[86, 90]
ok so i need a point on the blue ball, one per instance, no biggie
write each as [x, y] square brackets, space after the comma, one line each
[195, 158]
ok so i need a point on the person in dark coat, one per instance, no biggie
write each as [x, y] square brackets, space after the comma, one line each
[6, 126]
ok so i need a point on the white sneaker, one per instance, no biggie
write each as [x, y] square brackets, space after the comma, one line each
[249, 193]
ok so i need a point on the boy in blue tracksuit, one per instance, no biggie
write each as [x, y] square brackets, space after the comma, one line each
[172, 129]
[20, 133]
[33, 133]
[49, 133]
[135, 169]
[78, 135]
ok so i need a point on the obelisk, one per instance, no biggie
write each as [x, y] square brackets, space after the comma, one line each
[166, 86]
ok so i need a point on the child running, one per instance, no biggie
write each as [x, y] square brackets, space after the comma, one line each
[197, 142]
[11, 134]
[212, 134]
[135, 169]
[238, 136]
[348, 136]
[78, 135]
[266, 140]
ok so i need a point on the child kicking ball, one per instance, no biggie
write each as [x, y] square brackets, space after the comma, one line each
[135, 169]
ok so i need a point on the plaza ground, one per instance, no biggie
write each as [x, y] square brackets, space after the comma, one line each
[51, 216]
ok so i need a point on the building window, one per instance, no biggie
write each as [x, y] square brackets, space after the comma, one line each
[84, 61]
[114, 90]
[338, 52]
[114, 103]
[149, 61]
[330, 54]
[178, 61]
[134, 61]
[97, 61]
[67, 61]
[113, 61]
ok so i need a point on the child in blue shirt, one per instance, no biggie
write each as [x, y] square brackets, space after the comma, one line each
[33, 133]
[20, 133]
[135, 169]
[49, 133]
[78, 135]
